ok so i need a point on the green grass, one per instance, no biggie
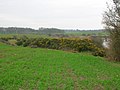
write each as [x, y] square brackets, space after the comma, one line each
[21, 35]
[43, 69]
[79, 33]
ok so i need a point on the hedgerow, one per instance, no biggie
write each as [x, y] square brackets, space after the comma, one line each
[79, 45]
[69, 44]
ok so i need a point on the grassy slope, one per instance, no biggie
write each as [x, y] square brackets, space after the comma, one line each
[42, 69]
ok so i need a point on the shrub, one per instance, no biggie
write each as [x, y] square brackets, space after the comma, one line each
[70, 44]
[4, 39]
[99, 52]
[19, 43]
[26, 43]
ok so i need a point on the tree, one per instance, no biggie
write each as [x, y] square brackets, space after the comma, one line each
[111, 19]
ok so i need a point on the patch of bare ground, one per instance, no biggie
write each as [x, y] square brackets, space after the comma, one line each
[99, 87]
[36, 85]
[64, 74]
[2, 56]
[103, 77]
[72, 75]
[21, 89]
[25, 86]
[82, 78]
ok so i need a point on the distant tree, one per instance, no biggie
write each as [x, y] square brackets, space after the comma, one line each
[83, 34]
[51, 31]
[111, 19]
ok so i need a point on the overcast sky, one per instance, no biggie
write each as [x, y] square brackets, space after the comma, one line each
[64, 14]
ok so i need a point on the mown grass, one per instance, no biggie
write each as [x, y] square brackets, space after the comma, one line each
[43, 69]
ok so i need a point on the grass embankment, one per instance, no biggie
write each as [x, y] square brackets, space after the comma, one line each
[42, 69]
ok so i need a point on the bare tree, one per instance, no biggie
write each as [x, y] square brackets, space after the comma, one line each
[111, 19]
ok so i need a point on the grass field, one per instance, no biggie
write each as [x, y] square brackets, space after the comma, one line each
[24, 68]
[21, 35]
[92, 32]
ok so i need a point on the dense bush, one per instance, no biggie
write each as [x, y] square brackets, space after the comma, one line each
[69, 44]
[19, 42]
[114, 50]
[99, 52]
[5, 39]
[78, 45]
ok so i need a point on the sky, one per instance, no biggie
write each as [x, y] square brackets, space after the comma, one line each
[63, 14]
